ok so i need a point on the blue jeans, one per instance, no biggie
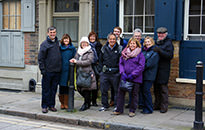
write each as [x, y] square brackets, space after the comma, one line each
[146, 96]
[50, 83]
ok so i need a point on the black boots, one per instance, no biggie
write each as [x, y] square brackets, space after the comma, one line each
[84, 107]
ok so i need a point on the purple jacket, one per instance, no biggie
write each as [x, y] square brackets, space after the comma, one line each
[133, 66]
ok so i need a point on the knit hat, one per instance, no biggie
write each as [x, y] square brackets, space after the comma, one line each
[84, 39]
[161, 30]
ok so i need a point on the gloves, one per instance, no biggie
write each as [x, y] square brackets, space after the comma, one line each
[43, 72]
[157, 49]
[130, 77]
[124, 76]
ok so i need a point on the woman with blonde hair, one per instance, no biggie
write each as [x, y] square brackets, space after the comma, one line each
[149, 74]
[131, 67]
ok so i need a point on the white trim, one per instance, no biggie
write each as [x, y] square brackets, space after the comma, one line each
[121, 20]
[185, 80]
[186, 19]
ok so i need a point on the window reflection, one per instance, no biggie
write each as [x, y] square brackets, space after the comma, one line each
[66, 5]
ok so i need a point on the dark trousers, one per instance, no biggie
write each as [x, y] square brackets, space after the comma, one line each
[134, 99]
[86, 94]
[49, 87]
[146, 96]
[63, 90]
[94, 93]
[106, 82]
[141, 101]
[161, 96]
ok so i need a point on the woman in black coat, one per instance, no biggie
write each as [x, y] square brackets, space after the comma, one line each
[96, 47]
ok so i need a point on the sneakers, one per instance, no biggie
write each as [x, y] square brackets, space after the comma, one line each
[53, 109]
[44, 110]
[131, 114]
[103, 109]
[114, 109]
[116, 113]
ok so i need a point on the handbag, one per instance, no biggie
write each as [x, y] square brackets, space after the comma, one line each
[126, 85]
[83, 79]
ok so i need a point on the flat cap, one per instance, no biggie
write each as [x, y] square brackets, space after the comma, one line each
[161, 30]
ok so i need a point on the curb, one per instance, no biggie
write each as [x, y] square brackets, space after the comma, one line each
[80, 122]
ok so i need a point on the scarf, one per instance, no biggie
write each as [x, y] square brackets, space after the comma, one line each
[127, 53]
[84, 50]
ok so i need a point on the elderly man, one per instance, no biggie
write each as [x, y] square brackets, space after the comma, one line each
[49, 59]
[109, 64]
[165, 50]
[137, 33]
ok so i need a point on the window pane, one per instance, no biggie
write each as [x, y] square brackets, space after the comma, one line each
[5, 22]
[138, 22]
[128, 24]
[66, 5]
[18, 8]
[128, 7]
[139, 5]
[12, 23]
[149, 24]
[5, 8]
[18, 23]
[194, 25]
[149, 6]
[195, 7]
[203, 25]
[12, 8]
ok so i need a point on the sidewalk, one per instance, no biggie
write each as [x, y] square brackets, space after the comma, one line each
[28, 104]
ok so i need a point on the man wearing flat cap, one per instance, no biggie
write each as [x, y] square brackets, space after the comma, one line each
[165, 50]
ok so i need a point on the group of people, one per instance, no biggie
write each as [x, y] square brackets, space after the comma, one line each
[139, 61]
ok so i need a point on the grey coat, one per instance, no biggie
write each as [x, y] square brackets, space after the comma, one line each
[85, 63]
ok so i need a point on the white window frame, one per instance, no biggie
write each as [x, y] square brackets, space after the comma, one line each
[186, 21]
[121, 20]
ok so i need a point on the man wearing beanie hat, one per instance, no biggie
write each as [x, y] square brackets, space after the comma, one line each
[165, 50]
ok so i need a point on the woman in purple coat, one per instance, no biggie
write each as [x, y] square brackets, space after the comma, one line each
[131, 68]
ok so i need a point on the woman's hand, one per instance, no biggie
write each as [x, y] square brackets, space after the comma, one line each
[72, 60]
[92, 75]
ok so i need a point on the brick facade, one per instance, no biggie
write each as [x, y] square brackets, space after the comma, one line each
[31, 42]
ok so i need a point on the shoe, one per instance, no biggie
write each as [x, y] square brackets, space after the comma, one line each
[53, 109]
[61, 99]
[103, 109]
[163, 111]
[114, 109]
[84, 107]
[116, 113]
[143, 112]
[44, 110]
[131, 114]
[111, 103]
[127, 106]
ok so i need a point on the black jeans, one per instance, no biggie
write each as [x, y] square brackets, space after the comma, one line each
[50, 83]
[106, 82]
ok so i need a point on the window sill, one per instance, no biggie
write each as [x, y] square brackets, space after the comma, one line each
[189, 81]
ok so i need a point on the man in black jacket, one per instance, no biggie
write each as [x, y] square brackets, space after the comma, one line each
[109, 64]
[49, 59]
[165, 50]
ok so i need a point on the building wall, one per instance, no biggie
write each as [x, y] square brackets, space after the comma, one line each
[31, 41]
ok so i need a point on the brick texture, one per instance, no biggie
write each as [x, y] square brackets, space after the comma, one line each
[31, 42]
